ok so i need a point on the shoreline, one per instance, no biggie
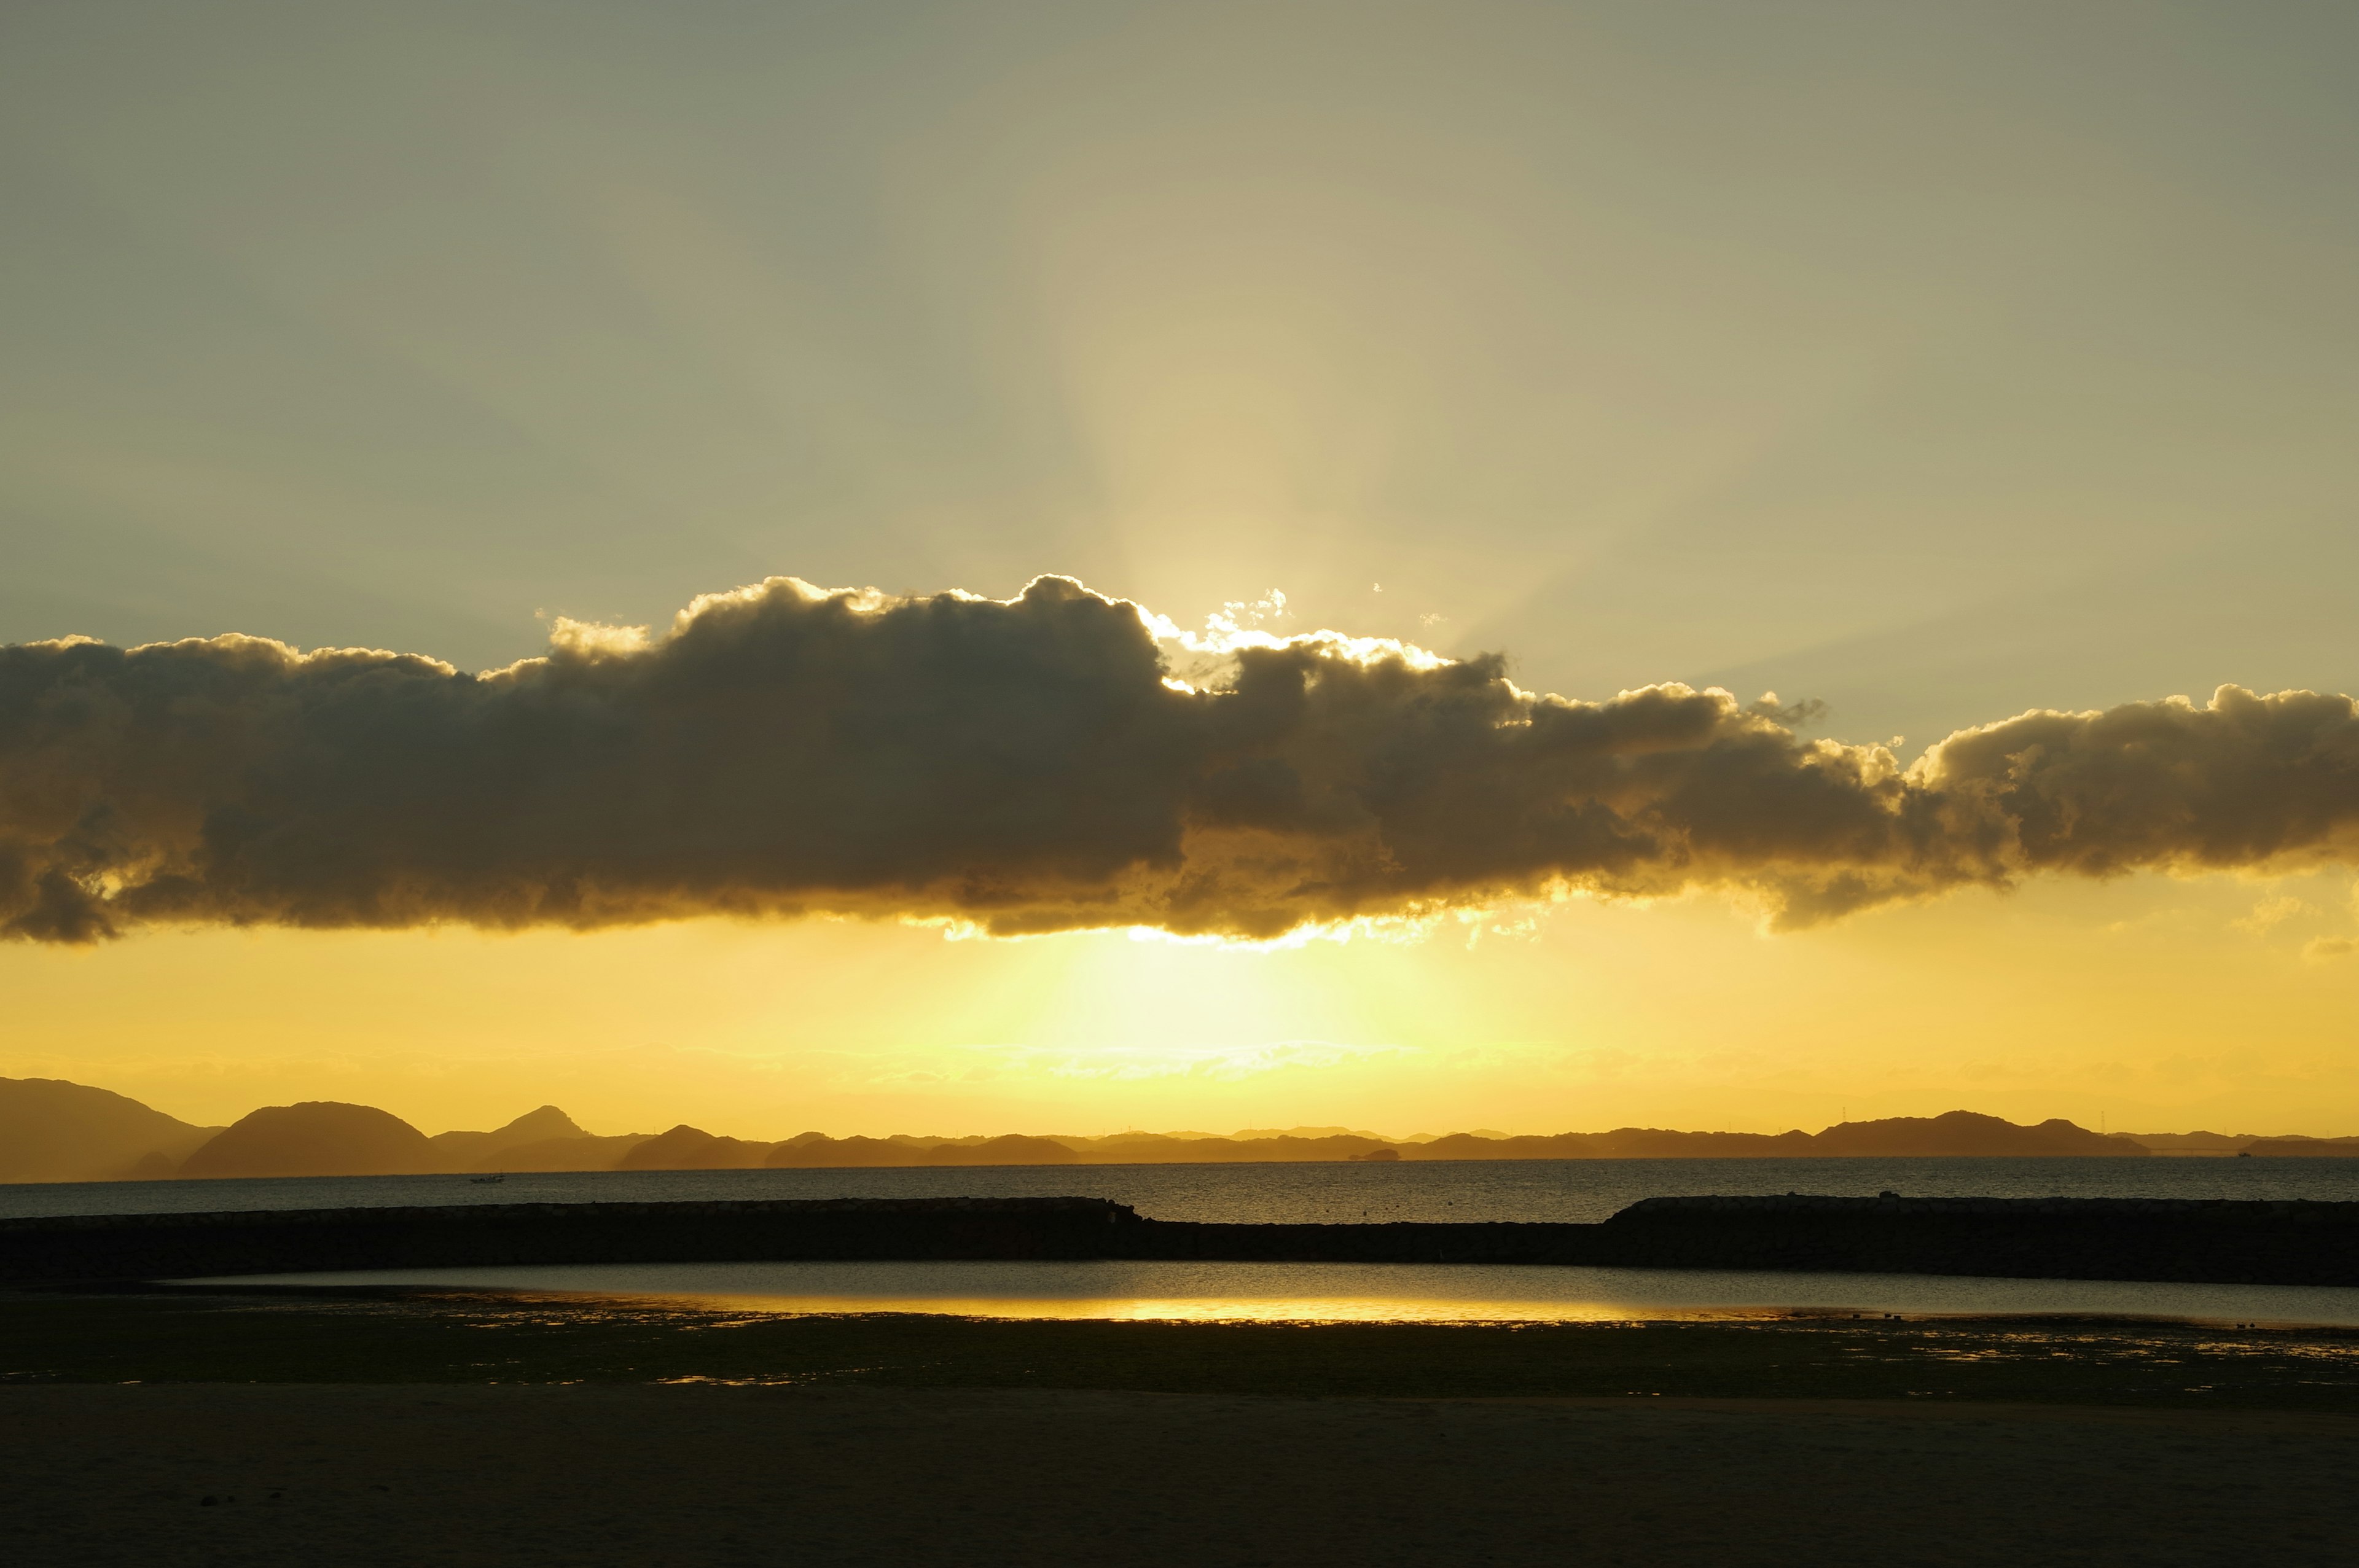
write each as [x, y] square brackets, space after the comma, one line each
[289, 1336]
[281, 1427]
[1275, 1292]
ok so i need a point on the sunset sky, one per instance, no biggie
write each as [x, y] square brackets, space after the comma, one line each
[1934, 364]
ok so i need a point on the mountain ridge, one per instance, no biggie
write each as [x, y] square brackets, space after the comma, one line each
[52, 1130]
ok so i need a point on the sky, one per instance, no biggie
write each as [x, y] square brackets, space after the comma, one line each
[1931, 363]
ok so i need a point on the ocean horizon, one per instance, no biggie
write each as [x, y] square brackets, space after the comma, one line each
[1557, 1190]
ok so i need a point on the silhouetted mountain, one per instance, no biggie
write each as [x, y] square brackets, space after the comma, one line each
[1012, 1149]
[1661, 1144]
[1951, 1133]
[1151, 1149]
[1473, 1146]
[466, 1150]
[2191, 1142]
[685, 1147]
[316, 1138]
[1965, 1132]
[584, 1153]
[816, 1150]
[52, 1130]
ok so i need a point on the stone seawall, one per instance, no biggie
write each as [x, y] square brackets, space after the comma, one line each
[2090, 1238]
[2201, 1241]
[265, 1241]
[2189, 1241]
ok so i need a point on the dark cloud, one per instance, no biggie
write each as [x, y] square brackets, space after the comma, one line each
[1032, 765]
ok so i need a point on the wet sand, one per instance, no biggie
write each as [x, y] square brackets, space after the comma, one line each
[648, 1475]
[432, 1428]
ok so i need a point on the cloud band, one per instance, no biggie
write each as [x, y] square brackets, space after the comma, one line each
[1033, 765]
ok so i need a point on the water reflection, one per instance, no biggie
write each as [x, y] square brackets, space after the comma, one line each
[1390, 1293]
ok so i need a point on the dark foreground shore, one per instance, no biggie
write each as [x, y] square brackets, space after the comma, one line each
[588, 1476]
[425, 1427]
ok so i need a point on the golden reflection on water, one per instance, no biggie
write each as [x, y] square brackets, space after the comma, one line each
[1267, 1309]
[1319, 1292]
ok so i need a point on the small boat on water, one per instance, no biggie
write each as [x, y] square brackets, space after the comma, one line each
[493, 1180]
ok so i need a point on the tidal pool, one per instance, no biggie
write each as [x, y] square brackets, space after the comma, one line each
[1399, 1292]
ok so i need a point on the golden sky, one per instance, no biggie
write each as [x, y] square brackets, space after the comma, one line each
[2146, 1004]
[1934, 364]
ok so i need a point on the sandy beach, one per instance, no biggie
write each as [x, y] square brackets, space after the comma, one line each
[643, 1476]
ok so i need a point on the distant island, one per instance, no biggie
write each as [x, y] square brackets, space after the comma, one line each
[52, 1130]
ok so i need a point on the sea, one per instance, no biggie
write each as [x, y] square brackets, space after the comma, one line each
[1566, 1190]
[1579, 1190]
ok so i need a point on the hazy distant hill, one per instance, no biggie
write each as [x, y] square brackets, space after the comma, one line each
[52, 1130]
[1954, 1132]
[1964, 1132]
[468, 1151]
[1661, 1144]
[582, 1154]
[2304, 1148]
[685, 1147]
[1957, 1132]
[2193, 1143]
[316, 1138]
[818, 1150]
[1473, 1146]
[1010, 1148]
[1151, 1149]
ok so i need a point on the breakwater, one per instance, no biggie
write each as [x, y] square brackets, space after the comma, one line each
[2194, 1241]
[2189, 1241]
[246, 1242]
[2162, 1240]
